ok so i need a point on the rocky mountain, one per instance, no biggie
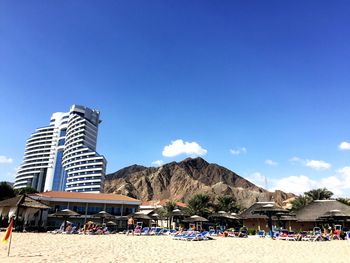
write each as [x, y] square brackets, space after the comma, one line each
[181, 180]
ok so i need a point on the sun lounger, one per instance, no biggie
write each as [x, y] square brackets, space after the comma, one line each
[261, 233]
[144, 231]
[347, 236]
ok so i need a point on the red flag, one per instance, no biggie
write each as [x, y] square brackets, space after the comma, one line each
[8, 232]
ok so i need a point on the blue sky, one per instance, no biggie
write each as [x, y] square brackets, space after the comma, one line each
[261, 87]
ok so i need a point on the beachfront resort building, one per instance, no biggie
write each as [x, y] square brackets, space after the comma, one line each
[87, 205]
[62, 156]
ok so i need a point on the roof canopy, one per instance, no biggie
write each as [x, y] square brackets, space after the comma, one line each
[23, 201]
[321, 209]
[85, 196]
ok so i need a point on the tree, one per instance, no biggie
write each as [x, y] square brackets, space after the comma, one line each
[300, 202]
[25, 190]
[167, 210]
[199, 205]
[6, 191]
[319, 194]
[227, 203]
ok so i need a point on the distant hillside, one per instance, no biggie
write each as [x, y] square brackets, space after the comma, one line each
[181, 180]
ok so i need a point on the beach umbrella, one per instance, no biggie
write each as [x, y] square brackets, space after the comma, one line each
[270, 210]
[65, 214]
[333, 215]
[177, 212]
[141, 216]
[103, 215]
[195, 218]
[224, 215]
[111, 223]
[198, 220]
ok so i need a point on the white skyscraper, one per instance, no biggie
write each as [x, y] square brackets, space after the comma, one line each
[62, 156]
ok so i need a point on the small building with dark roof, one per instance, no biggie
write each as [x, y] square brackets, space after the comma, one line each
[304, 219]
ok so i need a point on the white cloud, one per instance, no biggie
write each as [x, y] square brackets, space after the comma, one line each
[258, 179]
[296, 159]
[295, 184]
[317, 164]
[314, 164]
[238, 151]
[157, 163]
[178, 147]
[338, 183]
[345, 146]
[5, 159]
[271, 163]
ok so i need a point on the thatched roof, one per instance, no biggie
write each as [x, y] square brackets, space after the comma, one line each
[270, 208]
[139, 215]
[195, 218]
[320, 208]
[23, 201]
[223, 216]
[65, 213]
[248, 213]
[103, 214]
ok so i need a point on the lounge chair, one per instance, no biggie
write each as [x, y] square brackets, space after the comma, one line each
[261, 233]
[347, 236]
[145, 231]
[179, 236]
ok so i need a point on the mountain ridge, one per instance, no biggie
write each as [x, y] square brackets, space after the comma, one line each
[179, 181]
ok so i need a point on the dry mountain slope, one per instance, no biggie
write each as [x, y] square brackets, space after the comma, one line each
[179, 181]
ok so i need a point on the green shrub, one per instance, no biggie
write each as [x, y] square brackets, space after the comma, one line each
[252, 231]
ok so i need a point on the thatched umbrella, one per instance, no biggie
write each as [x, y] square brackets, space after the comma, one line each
[155, 217]
[334, 215]
[142, 217]
[111, 223]
[177, 215]
[223, 216]
[103, 215]
[196, 219]
[65, 214]
[270, 210]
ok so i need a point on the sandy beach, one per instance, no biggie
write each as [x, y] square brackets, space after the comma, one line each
[34, 247]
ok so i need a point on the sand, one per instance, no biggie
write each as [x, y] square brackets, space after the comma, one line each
[37, 247]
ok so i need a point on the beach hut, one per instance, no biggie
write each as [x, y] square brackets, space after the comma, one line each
[322, 212]
[24, 208]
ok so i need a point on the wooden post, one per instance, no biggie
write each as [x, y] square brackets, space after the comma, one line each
[9, 247]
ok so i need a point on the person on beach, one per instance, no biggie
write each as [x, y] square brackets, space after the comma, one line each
[130, 225]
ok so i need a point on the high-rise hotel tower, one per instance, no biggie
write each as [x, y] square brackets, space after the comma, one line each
[62, 156]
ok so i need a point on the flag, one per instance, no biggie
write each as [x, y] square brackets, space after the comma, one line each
[8, 232]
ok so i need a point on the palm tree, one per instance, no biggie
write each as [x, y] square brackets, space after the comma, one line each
[319, 194]
[199, 204]
[300, 202]
[227, 203]
[166, 211]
